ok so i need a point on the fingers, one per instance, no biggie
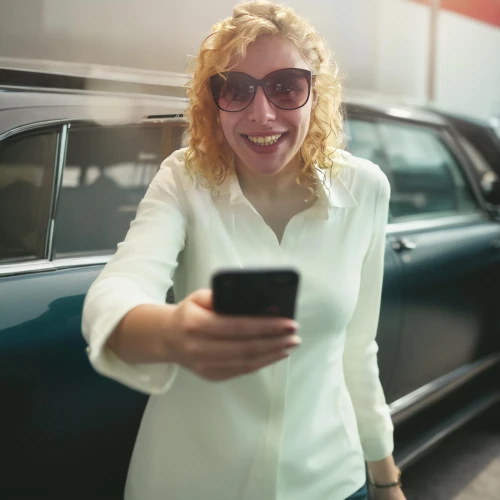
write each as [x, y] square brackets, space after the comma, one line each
[220, 360]
[228, 372]
[240, 327]
[200, 320]
[218, 347]
[203, 298]
[232, 353]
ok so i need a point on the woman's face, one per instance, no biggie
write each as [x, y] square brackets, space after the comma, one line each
[262, 119]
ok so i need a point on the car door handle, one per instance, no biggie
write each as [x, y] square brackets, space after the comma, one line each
[401, 244]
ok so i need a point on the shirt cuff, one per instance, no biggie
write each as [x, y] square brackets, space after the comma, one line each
[380, 447]
[150, 378]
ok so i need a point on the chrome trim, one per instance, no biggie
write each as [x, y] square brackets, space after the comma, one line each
[162, 118]
[427, 394]
[67, 121]
[479, 407]
[56, 189]
[26, 267]
[49, 238]
[422, 225]
[46, 265]
[68, 262]
[33, 126]
[61, 161]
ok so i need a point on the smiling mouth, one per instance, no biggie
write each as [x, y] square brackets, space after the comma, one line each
[267, 140]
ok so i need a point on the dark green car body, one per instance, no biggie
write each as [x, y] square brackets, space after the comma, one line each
[66, 431]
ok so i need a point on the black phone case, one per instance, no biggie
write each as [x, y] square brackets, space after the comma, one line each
[256, 292]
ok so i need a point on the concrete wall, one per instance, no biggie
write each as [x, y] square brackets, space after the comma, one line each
[468, 75]
[161, 34]
[402, 49]
[380, 45]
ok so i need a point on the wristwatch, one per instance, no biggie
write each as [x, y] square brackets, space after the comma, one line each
[393, 484]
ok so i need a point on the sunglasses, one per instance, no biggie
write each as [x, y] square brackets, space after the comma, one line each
[286, 89]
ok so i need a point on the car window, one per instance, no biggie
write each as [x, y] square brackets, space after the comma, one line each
[107, 172]
[364, 141]
[426, 180]
[26, 178]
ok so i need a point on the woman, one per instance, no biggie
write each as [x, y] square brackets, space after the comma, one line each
[239, 411]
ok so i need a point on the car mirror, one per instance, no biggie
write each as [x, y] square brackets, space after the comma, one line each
[490, 185]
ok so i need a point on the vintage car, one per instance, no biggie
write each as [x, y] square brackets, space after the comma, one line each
[74, 165]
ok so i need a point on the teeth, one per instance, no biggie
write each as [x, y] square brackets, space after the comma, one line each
[264, 141]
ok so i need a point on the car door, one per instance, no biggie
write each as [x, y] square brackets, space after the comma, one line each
[447, 247]
[65, 425]
[364, 141]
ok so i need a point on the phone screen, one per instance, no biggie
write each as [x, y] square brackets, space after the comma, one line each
[270, 292]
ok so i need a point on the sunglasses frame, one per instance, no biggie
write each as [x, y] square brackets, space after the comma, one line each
[215, 80]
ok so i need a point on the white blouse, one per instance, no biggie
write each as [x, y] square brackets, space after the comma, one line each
[298, 429]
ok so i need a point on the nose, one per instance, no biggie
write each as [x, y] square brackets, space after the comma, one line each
[261, 110]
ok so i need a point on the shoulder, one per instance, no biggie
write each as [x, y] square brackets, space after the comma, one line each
[362, 178]
[175, 164]
[174, 173]
[172, 180]
[178, 166]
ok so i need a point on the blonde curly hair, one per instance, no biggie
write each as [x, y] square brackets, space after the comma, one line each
[208, 152]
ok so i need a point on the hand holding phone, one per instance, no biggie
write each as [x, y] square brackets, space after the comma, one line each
[256, 292]
[243, 325]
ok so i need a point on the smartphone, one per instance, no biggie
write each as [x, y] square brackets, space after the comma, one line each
[256, 292]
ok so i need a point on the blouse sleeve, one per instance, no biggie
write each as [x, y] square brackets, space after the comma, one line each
[360, 355]
[140, 272]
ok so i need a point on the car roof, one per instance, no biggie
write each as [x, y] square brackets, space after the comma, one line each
[21, 106]
[22, 97]
[387, 106]
[450, 115]
[24, 105]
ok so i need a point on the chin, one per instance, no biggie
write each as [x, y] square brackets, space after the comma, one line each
[265, 169]
[265, 165]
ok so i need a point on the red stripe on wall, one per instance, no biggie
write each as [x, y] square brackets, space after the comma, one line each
[487, 11]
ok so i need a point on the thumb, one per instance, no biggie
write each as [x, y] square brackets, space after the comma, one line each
[203, 298]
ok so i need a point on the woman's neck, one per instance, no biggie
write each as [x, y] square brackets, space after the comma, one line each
[270, 187]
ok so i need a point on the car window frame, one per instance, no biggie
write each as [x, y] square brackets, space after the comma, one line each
[49, 262]
[483, 137]
[448, 141]
[452, 140]
[449, 137]
[46, 126]
[103, 256]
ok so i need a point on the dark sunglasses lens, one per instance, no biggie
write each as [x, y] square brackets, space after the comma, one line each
[234, 93]
[288, 89]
